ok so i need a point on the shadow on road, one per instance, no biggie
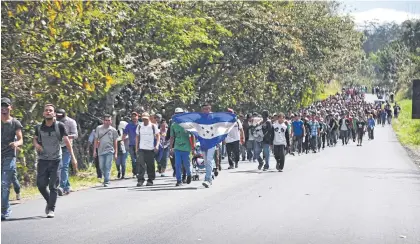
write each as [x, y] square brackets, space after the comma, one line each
[168, 188]
[25, 218]
[254, 171]
[133, 186]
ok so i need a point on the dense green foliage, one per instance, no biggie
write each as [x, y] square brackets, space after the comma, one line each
[95, 57]
[394, 54]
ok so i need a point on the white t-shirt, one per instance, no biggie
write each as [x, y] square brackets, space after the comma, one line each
[234, 134]
[343, 125]
[147, 138]
[280, 134]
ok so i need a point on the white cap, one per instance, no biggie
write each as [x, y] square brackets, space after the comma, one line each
[179, 110]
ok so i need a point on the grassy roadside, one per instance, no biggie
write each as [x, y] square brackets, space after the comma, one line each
[407, 129]
[85, 179]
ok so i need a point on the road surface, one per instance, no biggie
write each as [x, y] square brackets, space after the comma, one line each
[346, 194]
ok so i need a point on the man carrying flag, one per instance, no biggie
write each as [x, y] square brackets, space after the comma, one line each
[210, 129]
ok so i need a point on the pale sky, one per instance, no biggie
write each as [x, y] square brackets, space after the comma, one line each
[382, 11]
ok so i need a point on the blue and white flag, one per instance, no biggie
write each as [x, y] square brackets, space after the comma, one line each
[210, 129]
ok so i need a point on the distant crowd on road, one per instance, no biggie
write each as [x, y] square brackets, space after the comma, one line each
[151, 141]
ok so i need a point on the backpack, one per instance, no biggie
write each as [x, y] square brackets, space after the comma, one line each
[57, 133]
[154, 132]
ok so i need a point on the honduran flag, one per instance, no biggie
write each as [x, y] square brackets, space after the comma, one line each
[210, 129]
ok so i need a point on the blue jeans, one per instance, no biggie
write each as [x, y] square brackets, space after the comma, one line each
[182, 159]
[105, 163]
[64, 169]
[8, 167]
[266, 152]
[257, 151]
[121, 162]
[163, 163]
[208, 162]
[133, 156]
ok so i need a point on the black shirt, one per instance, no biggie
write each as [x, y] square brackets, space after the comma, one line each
[8, 135]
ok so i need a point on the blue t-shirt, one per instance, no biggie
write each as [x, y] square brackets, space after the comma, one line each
[130, 130]
[297, 127]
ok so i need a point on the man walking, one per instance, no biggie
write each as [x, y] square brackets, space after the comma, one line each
[47, 142]
[298, 133]
[181, 147]
[280, 142]
[267, 131]
[208, 154]
[11, 139]
[106, 143]
[130, 131]
[146, 134]
[71, 128]
[234, 140]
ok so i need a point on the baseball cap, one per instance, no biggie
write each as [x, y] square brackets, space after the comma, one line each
[135, 113]
[6, 101]
[159, 116]
[179, 110]
[145, 115]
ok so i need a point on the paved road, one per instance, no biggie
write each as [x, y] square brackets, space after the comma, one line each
[346, 194]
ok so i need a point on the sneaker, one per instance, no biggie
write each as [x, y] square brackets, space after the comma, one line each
[189, 179]
[6, 215]
[179, 183]
[231, 167]
[119, 175]
[260, 166]
[17, 196]
[60, 191]
[139, 184]
[265, 169]
[280, 170]
[206, 184]
[106, 184]
[149, 183]
[67, 192]
[50, 214]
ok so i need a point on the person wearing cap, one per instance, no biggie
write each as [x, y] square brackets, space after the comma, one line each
[71, 128]
[180, 147]
[47, 142]
[234, 140]
[146, 135]
[171, 156]
[11, 139]
[130, 132]
[107, 145]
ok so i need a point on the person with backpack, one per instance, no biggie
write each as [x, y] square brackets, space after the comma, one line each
[71, 128]
[146, 136]
[234, 140]
[107, 145]
[11, 139]
[47, 142]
